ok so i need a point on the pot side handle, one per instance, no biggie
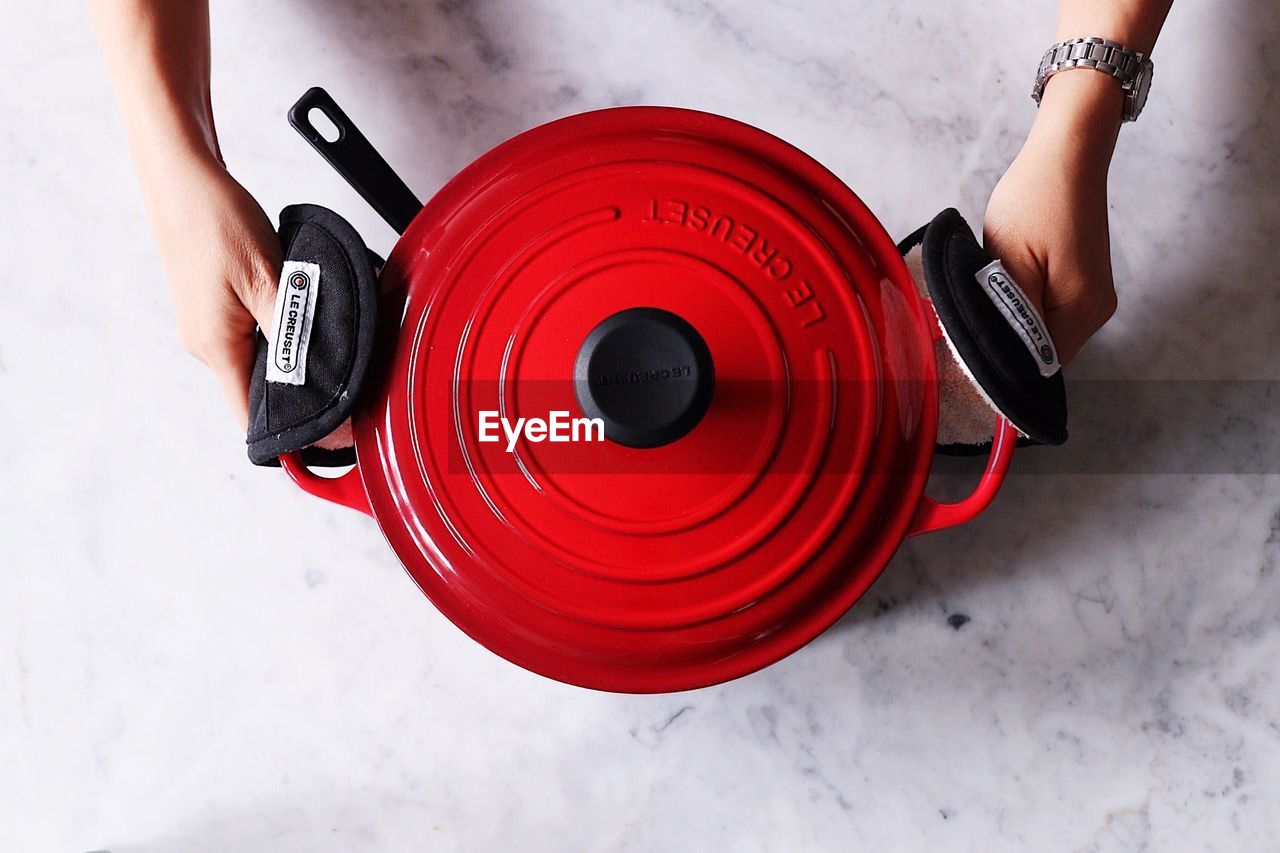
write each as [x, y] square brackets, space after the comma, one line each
[347, 490]
[932, 515]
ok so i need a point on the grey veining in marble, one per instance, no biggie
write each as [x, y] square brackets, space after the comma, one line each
[1092, 665]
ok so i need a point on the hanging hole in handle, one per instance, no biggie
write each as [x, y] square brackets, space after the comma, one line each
[324, 126]
[334, 472]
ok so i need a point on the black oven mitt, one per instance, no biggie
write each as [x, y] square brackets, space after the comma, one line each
[999, 342]
[307, 378]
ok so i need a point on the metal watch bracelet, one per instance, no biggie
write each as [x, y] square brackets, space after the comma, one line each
[1129, 67]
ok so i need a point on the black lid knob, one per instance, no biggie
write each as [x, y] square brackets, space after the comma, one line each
[647, 374]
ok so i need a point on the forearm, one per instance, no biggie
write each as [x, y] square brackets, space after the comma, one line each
[157, 53]
[1133, 23]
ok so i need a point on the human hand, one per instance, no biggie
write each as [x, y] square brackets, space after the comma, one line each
[1047, 217]
[220, 251]
[222, 258]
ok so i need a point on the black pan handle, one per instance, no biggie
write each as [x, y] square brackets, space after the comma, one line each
[356, 160]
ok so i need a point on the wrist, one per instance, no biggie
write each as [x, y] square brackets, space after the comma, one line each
[173, 137]
[172, 152]
[173, 179]
[1083, 98]
[1080, 112]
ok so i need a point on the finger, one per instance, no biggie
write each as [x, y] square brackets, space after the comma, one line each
[1075, 322]
[233, 377]
[339, 438]
[1067, 340]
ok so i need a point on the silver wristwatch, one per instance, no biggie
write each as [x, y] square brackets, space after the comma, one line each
[1131, 68]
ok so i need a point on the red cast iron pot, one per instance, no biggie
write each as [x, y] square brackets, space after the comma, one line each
[707, 556]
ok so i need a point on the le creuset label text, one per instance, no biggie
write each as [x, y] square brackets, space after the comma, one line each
[1021, 314]
[295, 309]
[679, 371]
[747, 241]
[557, 428]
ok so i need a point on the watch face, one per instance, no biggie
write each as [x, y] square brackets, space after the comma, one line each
[1141, 88]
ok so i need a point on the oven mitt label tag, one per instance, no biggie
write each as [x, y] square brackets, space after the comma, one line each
[1023, 318]
[295, 310]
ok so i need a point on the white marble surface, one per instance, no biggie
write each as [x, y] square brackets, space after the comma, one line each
[173, 677]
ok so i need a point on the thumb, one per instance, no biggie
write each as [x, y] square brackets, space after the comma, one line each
[256, 290]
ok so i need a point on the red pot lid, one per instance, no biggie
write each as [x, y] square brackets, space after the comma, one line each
[757, 506]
